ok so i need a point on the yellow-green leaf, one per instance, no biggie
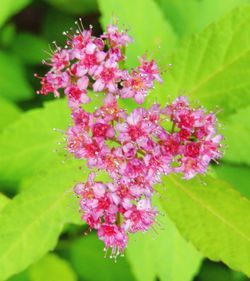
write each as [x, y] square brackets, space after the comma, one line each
[137, 17]
[162, 252]
[34, 219]
[31, 144]
[213, 216]
[236, 129]
[3, 201]
[13, 81]
[9, 112]
[52, 268]
[213, 67]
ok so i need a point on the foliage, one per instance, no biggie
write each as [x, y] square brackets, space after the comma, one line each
[205, 218]
[162, 252]
[11, 112]
[200, 13]
[47, 204]
[18, 149]
[87, 256]
[238, 124]
[12, 70]
[237, 175]
[149, 38]
[51, 268]
[8, 8]
[214, 217]
[212, 66]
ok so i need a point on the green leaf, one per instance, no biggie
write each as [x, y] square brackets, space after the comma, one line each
[75, 6]
[30, 144]
[9, 112]
[213, 66]
[34, 219]
[3, 201]
[30, 48]
[7, 35]
[238, 176]
[87, 257]
[237, 132]
[54, 24]
[52, 268]
[9, 8]
[200, 13]
[135, 16]
[213, 216]
[162, 255]
[23, 276]
[13, 83]
[215, 271]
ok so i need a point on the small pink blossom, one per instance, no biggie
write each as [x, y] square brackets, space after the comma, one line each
[149, 69]
[114, 237]
[139, 218]
[107, 76]
[76, 96]
[116, 38]
[135, 86]
[60, 60]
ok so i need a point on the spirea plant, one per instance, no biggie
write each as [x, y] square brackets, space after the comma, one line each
[135, 148]
[174, 215]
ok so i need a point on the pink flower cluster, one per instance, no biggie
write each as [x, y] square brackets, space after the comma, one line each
[94, 63]
[135, 149]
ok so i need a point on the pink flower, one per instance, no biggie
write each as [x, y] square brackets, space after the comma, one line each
[190, 166]
[112, 161]
[76, 96]
[107, 77]
[149, 70]
[79, 41]
[89, 62]
[135, 127]
[192, 149]
[103, 130]
[136, 86]
[52, 82]
[140, 218]
[110, 111]
[115, 37]
[114, 237]
[132, 149]
[60, 60]
[82, 118]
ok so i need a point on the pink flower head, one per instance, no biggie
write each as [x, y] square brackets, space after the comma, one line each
[136, 86]
[149, 69]
[76, 96]
[52, 82]
[133, 149]
[140, 218]
[107, 77]
[114, 237]
[135, 127]
[82, 118]
[103, 130]
[90, 61]
[180, 104]
[110, 111]
[79, 41]
[116, 38]
[190, 166]
[60, 60]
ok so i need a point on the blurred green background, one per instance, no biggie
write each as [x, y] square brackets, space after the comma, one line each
[26, 29]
